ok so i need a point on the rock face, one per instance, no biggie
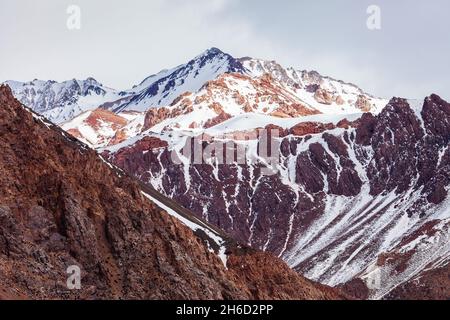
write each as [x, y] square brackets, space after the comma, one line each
[324, 97]
[101, 127]
[343, 197]
[431, 285]
[156, 116]
[363, 103]
[96, 127]
[306, 128]
[62, 205]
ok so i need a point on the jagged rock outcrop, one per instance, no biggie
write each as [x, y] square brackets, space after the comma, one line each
[306, 128]
[363, 103]
[157, 115]
[323, 96]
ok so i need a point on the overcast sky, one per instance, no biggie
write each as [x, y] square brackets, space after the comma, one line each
[122, 42]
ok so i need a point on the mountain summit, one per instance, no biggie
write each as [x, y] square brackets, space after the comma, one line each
[60, 102]
[161, 89]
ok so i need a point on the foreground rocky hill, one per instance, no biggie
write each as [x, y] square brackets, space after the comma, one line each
[61, 205]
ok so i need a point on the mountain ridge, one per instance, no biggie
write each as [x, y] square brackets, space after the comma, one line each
[160, 89]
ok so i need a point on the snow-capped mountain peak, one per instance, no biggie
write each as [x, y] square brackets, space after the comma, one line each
[164, 87]
[62, 101]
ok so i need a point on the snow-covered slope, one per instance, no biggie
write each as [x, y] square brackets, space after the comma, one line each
[62, 101]
[99, 128]
[161, 89]
[235, 94]
[323, 93]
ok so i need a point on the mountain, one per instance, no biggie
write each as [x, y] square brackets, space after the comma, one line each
[323, 93]
[62, 205]
[62, 101]
[162, 88]
[354, 195]
[214, 78]
[192, 96]
[232, 95]
[353, 198]
[309, 89]
[215, 87]
[101, 127]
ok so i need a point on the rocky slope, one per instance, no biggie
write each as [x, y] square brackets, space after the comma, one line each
[355, 200]
[62, 205]
[164, 87]
[101, 127]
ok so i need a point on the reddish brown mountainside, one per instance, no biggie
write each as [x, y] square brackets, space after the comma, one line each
[61, 205]
[342, 199]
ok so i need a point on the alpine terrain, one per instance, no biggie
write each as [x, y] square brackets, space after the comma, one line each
[351, 192]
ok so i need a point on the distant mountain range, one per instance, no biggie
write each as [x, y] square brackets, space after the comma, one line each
[61, 102]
